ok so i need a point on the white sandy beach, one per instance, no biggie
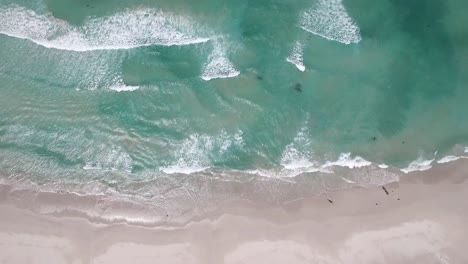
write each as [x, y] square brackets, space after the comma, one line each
[423, 219]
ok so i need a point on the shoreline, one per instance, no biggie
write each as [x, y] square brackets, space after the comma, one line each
[421, 220]
[109, 208]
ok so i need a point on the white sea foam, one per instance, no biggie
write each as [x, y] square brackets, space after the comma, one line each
[329, 19]
[182, 169]
[466, 149]
[195, 153]
[292, 159]
[346, 160]
[191, 155]
[218, 65]
[297, 157]
[383, 166]
[298, 154]
[130, 29]
[108, 159]
[447, 159]
[296, 56]
[124, 88]
[294, 163]
[418, 165]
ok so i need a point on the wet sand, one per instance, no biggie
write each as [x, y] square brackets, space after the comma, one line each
[421, 219]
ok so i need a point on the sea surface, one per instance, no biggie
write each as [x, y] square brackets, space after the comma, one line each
[126, 93]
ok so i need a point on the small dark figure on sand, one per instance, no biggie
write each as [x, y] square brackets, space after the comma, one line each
[385, 189]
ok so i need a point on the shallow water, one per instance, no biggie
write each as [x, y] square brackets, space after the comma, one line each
[115, 91]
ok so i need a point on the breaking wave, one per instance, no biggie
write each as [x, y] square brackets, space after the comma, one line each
[329, 19]
[218, 65]
[126, 30]
[296, 56]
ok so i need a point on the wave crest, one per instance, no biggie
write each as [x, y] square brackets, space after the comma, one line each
[218, 65]
[124, 30]
[297, 57]
[329, 19]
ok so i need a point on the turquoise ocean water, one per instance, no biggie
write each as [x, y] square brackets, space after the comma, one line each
[113, 92]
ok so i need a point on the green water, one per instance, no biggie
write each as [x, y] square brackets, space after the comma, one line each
[383, 80]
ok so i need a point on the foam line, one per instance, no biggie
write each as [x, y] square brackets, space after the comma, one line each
[194, 153]
[418, 165]
[346, 160]
[124, 88]
[218, 65]
[126, 30]
[296, 56]
[447, 159]
[329, 19]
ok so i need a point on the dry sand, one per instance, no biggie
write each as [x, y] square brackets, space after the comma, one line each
[422, 219]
